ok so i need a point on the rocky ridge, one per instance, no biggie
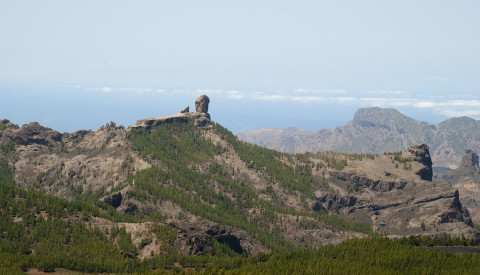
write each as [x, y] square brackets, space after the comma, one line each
[395, 193]
[397, 199]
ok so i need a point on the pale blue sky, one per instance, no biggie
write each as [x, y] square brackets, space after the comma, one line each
[80, 64]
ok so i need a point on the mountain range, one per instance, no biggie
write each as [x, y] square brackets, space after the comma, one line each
[170, 192]
[376, 130]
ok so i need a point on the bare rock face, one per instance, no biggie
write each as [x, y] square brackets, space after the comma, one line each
[395, 197]
[420, 153]
[196, 237]
[331, 201]
[114, 200]
[201, 104]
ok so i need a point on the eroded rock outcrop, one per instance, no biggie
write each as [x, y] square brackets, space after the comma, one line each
[201, 117]
[420, 153]
[466, 178]
[456, 212]
[376, 185]
[470, 161]
[201, 104]
[328, 202]
[195, 238]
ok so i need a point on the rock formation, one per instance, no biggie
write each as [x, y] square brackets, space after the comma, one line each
[420, 153]
[186, 110]
[396, 194]
[328, 202]
[201, 116]
[201, 104]
[469, 169]
[467, 179]
[470, 161]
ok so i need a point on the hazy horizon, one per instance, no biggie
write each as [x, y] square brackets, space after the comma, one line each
[307, 64]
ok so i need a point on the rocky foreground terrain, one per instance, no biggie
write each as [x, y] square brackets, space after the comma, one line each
[193, 178]
[376, 130]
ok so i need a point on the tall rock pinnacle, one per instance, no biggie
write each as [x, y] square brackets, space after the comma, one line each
[201, 104]
[421, 153]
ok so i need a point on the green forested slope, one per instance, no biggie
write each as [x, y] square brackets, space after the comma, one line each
[180, 148]
[46, 232]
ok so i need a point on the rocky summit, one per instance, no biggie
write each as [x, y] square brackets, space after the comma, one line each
[201, 116]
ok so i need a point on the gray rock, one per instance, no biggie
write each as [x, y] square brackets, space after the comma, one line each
[201, 104]
[186, 110]
[420, 153]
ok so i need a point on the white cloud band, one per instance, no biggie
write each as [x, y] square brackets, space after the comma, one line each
[449, 106]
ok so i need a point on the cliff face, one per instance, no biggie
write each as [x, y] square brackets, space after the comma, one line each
[420, 153]
[396, 194]
[376, 130]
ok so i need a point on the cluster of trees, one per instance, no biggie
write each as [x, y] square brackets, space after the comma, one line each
[7, 147]
[360, 256]
[397, 156]
[270, 161]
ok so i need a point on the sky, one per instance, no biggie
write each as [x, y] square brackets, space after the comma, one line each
[74, 65]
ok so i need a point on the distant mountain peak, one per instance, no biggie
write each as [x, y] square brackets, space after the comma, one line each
[379, 130]
[378, 115]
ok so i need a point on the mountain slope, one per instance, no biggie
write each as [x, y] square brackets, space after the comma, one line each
[184, 185]
[376, 130]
